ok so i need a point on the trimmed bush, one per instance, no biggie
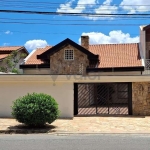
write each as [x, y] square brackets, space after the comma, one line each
[35, 109]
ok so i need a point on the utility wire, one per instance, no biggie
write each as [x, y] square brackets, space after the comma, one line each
[65, 13]
[73, 20]
[73, 24]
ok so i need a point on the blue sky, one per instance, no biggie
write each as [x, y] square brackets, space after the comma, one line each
[34, 31]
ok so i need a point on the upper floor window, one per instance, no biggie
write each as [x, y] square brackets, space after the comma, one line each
[69, 55]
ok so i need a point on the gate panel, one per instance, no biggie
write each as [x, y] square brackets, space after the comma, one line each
[86, 99]
[103, 98]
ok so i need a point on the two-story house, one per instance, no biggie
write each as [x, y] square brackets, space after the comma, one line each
[70, 58]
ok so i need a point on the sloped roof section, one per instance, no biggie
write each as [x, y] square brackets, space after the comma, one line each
[32, 59]
[10, 48]
[117, 55]
[110, 55]
[6, 50]
[3, 56]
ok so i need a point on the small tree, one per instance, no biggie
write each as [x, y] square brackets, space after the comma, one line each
[11, 61]
[35, 109]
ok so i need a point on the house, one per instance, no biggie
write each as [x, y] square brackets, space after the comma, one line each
[68, 57]
[102, 79]
[101, 60]
[5, 51]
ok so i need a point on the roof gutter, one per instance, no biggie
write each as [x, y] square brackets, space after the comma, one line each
[116, 69]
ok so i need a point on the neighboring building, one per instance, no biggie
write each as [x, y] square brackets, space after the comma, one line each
[7, 50]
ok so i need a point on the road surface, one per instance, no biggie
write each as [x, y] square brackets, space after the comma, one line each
[75, 142]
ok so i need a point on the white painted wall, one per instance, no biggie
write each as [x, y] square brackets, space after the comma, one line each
[62, 92]
[143, 42]
[60, 87]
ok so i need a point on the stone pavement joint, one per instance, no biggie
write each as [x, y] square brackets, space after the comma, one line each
[83, 125]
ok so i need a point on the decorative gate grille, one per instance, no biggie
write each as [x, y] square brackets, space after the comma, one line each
[103, 98]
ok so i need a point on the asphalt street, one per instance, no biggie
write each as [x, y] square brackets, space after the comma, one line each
[75, 142]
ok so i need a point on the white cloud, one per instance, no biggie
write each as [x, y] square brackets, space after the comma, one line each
[33, 44]
[134, 6]
[81, 6]
[6, 44]
[114, 37]
[106, 8]
[89, 6]
[8, 32]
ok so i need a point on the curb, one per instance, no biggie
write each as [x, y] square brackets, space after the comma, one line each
[19, 131]
[58, 133]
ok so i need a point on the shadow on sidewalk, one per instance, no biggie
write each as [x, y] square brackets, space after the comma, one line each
[23, 129]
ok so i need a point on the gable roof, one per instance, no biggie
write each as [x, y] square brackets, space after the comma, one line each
[117, 55]
[6, 50]
[110, 55]
[66, 41]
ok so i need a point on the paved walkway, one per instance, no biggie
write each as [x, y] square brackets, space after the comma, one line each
[92, 125]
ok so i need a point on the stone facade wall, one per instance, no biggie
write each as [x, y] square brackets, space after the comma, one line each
[58, 65]
[141, 98]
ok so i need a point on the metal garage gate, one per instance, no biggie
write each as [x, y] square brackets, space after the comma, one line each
[103, 98]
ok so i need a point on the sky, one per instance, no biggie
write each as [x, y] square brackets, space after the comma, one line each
[37, 30]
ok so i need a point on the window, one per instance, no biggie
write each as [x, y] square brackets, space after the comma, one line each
[69, 55]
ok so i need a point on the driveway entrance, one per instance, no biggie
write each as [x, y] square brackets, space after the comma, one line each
[103, 98]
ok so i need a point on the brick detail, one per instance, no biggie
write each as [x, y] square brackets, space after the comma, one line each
[141, 98]
[60, 66]
[85, 42]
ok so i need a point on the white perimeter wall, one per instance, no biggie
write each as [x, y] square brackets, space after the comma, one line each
[11, 90]
[59, 87]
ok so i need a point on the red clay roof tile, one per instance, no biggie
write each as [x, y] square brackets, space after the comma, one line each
[32, 60]
[10, 48]
[117, 55]
[3, 56]
[110, 55]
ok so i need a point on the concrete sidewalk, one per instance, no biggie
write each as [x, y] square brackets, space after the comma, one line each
[83, 125]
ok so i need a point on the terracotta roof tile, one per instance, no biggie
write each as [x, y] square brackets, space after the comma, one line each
[117, 55]
[10, 48]
[3, 56]
[32, 59]
[110, 55]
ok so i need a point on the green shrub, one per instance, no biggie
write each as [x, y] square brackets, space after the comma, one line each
[35, 109]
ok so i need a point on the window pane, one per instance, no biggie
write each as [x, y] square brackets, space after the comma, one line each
[69, 55]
